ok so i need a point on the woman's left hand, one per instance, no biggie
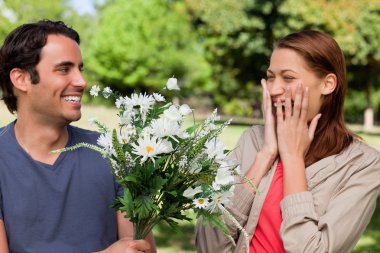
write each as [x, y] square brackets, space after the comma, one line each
[293, 132]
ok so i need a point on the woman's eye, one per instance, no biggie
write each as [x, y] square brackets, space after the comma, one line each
[288, 78]
[270, 78]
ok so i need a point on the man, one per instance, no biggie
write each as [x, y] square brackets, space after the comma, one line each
[53, 202]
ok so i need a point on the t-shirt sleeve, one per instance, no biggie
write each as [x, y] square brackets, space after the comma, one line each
[119, 189]
[1, 205]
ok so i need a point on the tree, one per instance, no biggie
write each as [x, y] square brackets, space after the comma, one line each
[16, 12]
[138, 45]
[237, 36]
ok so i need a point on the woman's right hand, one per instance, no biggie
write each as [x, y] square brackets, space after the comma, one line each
[270, 147]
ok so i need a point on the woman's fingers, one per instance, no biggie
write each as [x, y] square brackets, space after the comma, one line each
[265, 96]
[313, 126]
[305, 105]
[288, 102]
[298, 101]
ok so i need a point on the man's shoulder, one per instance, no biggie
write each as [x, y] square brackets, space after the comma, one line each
[83, 135]
[5, 131]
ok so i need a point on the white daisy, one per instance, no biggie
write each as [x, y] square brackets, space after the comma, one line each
[92, 121]
[173, 114]
[185, 109]
[219, 198]
[171, 84]
[158, 97]
[224, 175]
[94, 91]
[107, 92]
[200, 202]
[127, 117]
[105, 141]
[190, 192]
[215, 149]
[119, 102]
[123, 137]
[142, 100]
[151, 147]
[162, 127]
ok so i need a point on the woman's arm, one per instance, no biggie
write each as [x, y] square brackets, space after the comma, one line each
[3, 238]
[347, 214]
[256, 152]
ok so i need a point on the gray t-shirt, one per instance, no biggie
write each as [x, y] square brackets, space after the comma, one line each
[60, 208]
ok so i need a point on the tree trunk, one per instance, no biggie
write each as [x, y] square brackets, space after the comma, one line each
[368, 119]
[368, 113]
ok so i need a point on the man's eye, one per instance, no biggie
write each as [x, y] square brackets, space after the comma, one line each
[63, 70]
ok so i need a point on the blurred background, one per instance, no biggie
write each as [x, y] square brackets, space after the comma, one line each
[219, 50]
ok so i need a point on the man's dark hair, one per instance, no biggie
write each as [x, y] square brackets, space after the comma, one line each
[22, 49]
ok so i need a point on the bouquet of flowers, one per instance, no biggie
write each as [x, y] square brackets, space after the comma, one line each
[164, 168]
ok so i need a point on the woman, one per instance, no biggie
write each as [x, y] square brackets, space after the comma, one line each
[317, 182]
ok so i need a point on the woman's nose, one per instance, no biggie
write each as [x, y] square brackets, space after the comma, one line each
[276, 87]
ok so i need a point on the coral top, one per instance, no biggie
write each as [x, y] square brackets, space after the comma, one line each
[267, 234]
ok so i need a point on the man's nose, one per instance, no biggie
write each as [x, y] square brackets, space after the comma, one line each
[79, 80]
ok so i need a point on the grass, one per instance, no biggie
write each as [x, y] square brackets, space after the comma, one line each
[182, 241]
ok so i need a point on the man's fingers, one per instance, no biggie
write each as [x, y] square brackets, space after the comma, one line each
[142, 245]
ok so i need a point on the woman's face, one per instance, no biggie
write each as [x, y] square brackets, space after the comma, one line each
[288, 68]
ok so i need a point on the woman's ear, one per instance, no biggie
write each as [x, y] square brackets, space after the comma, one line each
[20, 79]
[329, 84]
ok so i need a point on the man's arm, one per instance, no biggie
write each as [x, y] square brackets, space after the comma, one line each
[3, 238]
[125, 230]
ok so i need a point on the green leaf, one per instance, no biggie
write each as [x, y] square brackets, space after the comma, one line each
[157, 183]
[191, 129]
[215, 221]
[143, 206]
[173, 193]
[130, 178]
[127, 203]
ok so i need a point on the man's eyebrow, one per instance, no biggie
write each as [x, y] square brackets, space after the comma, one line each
[68, 64]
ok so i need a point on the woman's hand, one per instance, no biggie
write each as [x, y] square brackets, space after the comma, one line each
[270, 146]
[294, 138]
[293, 133]
[268, 153]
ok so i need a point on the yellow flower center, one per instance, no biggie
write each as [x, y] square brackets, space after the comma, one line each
[201, 201]
[125, 140]
[149, 149]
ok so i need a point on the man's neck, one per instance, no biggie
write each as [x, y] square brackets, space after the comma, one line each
[39, 139]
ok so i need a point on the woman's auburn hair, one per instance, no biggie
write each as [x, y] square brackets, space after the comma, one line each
[323, 56]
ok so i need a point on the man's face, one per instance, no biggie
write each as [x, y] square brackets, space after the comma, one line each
[56, 99]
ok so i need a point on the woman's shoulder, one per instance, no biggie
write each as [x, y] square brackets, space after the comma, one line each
[361, 153]
[359, 146]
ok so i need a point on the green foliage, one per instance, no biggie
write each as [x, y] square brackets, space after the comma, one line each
[139, 44]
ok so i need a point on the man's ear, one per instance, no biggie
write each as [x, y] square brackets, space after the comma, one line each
[329, 84]
[20, 79]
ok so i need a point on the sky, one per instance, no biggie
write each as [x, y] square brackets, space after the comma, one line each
[84, 6]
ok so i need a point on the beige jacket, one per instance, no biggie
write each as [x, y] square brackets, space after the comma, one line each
[329, 217]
